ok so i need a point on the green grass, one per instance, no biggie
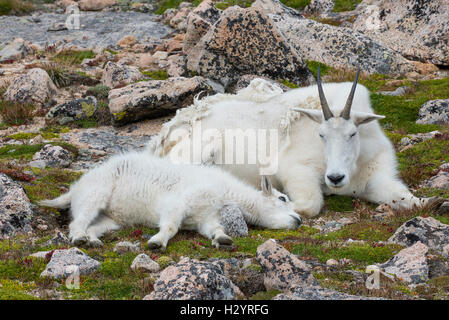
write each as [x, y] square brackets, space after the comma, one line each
[296, 4]
[14, 290]
[345, 5]
[73, 57]
[156, 75]
[15, 7]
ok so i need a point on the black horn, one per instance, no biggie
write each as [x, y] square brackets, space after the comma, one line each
[346, 113]
[326, 110]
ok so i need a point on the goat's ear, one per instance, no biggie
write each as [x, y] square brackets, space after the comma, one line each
[364, 117]
[267, 188]
[315, 115]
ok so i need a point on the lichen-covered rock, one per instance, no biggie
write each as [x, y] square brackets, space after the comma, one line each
[58, 239]
[149, 99]
[338, 47]
[245, 41]
[14, 51]
[15, 208]
[191, 279]
[282, 270]
[179, 20]
[439, 181]
[118, 75]
[434, 112]
[177, 66]
[60, 265]
[35, 87]
[410, 264]
[54, 156]
[126, 246]
[233, 222]
[319, 6]
[415, 28]
[74, 110]
[95, 5]
[144, 263]
[429, 231]
[246, 79]
[198, 23]
[318, 293]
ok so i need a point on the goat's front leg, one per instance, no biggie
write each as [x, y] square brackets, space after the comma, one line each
[302, 184]
[383, 187]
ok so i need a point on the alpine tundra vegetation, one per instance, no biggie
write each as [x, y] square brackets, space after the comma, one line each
[74, 102]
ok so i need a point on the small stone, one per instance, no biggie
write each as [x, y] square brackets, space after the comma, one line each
[233, 222]
[65, 262]
[440, 181]
[40, 164]
[332, 262]
[119, 75]
[54, 156]
[144, 263]
[78, 109]
[434, 112]
[126, 246]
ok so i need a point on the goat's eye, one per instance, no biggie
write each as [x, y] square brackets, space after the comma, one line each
[353, 135]
[282, 198]
[321, 136]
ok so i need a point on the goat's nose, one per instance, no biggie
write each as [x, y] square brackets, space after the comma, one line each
[335, 178]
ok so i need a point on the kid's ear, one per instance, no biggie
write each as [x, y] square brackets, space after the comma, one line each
[364, 117]
[315, 115]
[267, 188]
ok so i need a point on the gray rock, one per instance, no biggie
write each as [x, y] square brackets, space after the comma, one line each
[58, 239]
[126, 246]
[98, 29]
[57, 26]
[439, 181]
[233, 222]
[318, 293]
[319, 6]
[40, 164]
[339, 47]
[429, 231]
[282, 270]
[434, 112]
[149, 99]
[118, 75]
[398, 92]
[416, 29]
[144, 263]
[14, 51]
[62, 260]
[71, 111]
[54, 156]
[15, 208]
[410, 264]
[191, 279]
[245, 80]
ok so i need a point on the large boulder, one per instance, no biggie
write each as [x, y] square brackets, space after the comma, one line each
[74, 110]
[243, 41]
[193, 280]
[149, 99]
[53, 156]
[428, 231]
[35, 87]
[339, 47]
[282, 270]
[15, 208]
[417, 29]
[119, 75]
[434, 112]
[410, 264]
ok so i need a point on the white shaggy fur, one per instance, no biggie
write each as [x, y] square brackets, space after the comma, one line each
[138, 188]
[311, 149]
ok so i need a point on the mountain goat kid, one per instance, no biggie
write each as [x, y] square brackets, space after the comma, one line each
[330, 145]
[138, 188]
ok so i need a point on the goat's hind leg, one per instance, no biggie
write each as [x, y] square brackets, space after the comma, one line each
[86, 207]
[100, 226]
[211, 228]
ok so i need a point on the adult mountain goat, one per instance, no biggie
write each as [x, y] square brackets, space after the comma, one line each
[138, 188]
[327, 142]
